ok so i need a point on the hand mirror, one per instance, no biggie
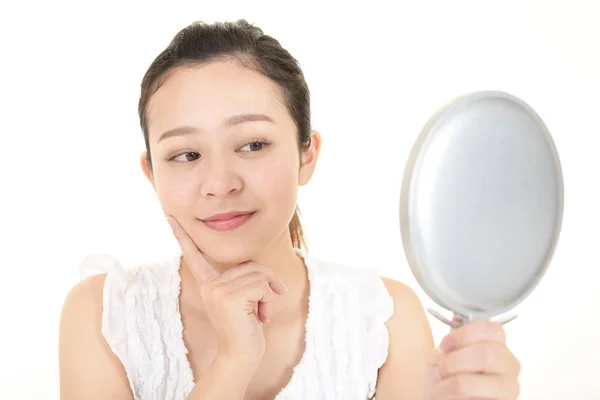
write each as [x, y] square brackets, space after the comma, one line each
[481, 205]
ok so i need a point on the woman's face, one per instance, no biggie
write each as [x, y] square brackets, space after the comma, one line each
[222, 141]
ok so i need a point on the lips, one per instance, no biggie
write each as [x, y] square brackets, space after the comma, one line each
[226, 216]
[227, 221]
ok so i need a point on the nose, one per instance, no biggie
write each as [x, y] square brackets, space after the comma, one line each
[219, 179]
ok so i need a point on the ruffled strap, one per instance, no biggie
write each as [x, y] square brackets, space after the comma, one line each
[347, 339]
[376, 309]
[114, 308]
[98, 264]
[142, 325]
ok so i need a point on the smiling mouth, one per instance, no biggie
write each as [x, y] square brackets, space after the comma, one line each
[228, 221]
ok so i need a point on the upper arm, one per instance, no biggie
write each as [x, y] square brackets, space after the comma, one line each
[402, 377]
[88, 368]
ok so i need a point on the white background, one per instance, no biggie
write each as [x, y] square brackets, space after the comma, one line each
[69, 145]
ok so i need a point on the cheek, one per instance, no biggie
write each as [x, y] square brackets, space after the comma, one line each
[174, 194]
[279, 184]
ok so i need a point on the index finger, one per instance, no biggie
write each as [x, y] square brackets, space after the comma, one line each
[198, 263]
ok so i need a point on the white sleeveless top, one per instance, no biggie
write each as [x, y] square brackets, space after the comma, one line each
[346, 337]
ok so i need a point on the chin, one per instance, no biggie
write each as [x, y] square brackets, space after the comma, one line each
[231, 250]
[230, 254]
[236, 247]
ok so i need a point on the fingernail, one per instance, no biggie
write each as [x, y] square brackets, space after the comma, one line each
[447, 344]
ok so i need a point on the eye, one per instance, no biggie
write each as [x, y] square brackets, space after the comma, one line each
[255, 145]
[186, 157]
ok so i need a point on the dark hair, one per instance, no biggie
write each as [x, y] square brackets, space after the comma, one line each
[201, 43]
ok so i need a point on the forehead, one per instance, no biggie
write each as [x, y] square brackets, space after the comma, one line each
[207, 95]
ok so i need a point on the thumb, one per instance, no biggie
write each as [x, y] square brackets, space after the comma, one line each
[432, 372]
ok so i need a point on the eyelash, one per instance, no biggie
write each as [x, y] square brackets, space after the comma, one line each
[262, 142]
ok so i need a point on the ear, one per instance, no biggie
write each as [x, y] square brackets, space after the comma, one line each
[146, 169]
[309, 157]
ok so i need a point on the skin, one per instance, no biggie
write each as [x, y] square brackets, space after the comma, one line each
[236, 172]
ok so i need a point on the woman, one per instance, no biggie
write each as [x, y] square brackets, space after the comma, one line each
[244, 312]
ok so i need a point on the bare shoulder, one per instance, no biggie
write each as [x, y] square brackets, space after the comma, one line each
[88, 367]
[408, 327]
[407, 306]
[411, 343]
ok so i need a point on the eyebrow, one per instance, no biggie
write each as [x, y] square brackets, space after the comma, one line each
[232, 121]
